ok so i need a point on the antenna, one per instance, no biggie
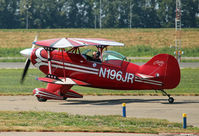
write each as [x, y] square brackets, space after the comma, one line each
[178, 51]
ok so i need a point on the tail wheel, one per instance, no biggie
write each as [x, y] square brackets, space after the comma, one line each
[41, 99]
[171, 100]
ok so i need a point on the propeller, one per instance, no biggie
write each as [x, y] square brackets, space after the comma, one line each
[33, 45]
[27, 53]
[27, 64]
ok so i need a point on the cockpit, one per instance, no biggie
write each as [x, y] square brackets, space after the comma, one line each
[111, 57]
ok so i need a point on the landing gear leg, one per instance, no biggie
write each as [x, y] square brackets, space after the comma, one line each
[64, 97]
[171, 100]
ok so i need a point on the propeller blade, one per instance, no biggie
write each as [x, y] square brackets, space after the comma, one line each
[33, 45]
[27, 53]
[27, 64]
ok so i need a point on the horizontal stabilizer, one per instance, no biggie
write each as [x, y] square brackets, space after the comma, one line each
[143, 76]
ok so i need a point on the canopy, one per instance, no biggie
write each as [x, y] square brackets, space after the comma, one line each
[76, 42]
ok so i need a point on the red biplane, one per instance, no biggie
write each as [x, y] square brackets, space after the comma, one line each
[102, 69]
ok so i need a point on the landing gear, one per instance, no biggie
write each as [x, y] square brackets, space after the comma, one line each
[64, 98]
[41, 99]
[171, 100]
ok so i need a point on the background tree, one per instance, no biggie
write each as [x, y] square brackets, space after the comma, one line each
[166, 13]
[189, 13]
[85, 13]
[150, 16]
[8, 13]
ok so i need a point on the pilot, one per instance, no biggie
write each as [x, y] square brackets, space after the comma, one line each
[96, 56]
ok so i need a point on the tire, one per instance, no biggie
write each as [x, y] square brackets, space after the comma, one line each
[64, 98]
[171, 100]
[41, 99]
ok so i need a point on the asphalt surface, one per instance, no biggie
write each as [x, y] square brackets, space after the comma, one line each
[16, 65]
[137, 106]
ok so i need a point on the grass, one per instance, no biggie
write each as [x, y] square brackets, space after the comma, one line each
[139, 42]
[13, 38]
[10, 81]
[13, 60]
[129, 51]
[133, 60]
[10, 52]
[148, 51]
[62, 122]
[10, 78]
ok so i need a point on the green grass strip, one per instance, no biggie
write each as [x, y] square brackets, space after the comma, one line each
[131, 51]
[64, 122]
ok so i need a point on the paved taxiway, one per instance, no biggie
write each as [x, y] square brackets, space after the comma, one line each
[137, 106]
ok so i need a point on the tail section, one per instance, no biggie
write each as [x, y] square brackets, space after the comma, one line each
[172, 75]
[163, 68]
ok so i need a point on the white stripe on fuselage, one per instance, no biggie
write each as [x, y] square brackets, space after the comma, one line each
[147, 82]
[68, 66]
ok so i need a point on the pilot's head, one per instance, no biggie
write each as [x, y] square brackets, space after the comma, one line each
[94, 54]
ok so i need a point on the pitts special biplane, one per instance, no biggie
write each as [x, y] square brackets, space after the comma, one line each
[109, 70]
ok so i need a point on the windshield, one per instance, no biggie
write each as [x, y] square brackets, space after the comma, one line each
[112, 55]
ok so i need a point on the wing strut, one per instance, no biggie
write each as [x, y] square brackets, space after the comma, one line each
[100, 49]
[50, 73]
[63, 63]
[49, 63]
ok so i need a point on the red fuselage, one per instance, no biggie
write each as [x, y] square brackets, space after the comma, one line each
[112, 74]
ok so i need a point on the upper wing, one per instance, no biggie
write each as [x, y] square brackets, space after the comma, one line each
[76, 42]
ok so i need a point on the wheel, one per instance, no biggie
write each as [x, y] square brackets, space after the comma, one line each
[64, 98]
[41, 99]
[171, 100]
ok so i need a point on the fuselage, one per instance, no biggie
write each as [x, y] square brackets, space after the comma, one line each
[112, 74]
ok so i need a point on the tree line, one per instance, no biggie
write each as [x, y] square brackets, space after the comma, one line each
[87, 13]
